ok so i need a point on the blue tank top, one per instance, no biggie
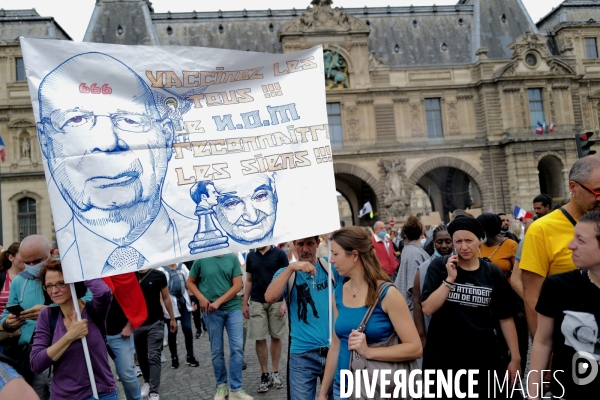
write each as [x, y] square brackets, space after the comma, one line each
[378, 329]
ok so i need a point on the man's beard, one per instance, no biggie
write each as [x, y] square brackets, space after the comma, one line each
[307, 257]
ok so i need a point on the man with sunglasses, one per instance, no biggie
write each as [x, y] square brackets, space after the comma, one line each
[545, 250]
[107, 153]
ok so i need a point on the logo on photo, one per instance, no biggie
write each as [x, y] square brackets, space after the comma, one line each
[584, 367]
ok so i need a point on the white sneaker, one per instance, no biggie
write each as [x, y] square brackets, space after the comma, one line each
[240, 395]
[221, 392]
[138, 370]
[162, 358]
[145, 389]
[154, 396]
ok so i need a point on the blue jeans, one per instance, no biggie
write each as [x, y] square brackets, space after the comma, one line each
[304, 370]
[336, 391]
[106, 396]
[216, 321]
[123, 349]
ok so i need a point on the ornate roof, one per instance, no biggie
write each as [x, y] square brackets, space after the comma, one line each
[15, 23]
[321, 17]
[398, 36]
[570, 12]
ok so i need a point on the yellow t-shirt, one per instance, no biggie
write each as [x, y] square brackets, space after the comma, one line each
[545, 250]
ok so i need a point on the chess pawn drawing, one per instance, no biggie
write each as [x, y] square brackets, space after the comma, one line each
[208, 237]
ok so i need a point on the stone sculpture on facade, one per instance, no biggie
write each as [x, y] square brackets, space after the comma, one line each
[415, 120]
[25, 148]
[336, 69]
[320, 16]
[352, 124]
[453, 118]
[396, 197]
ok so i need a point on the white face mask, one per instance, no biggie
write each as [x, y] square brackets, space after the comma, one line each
[35, 269]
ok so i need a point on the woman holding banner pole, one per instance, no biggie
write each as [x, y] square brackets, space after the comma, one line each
[57, 338]
[355, 259]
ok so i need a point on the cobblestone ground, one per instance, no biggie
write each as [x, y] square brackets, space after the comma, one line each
[199, 383]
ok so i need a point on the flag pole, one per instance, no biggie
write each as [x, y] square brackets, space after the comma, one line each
[329, 291]
[86, 351]
[1, 226]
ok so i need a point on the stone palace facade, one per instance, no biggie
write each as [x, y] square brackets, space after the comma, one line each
[431, 108]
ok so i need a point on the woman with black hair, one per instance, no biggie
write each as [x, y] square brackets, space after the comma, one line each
[10, 266]
[442, 244]
[497, 249]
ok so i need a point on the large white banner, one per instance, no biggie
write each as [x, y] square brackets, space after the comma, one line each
[156, 155]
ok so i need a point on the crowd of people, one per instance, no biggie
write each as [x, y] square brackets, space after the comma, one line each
[470, 296]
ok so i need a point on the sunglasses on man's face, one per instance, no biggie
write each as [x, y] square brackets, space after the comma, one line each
[589, 189]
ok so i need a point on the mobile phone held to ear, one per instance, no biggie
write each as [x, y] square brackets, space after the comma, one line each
[454, 252]
[15, 309]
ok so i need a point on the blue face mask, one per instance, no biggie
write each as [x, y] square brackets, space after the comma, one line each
[382, 234]
[436, 254]
[35, 269]
[286, 250]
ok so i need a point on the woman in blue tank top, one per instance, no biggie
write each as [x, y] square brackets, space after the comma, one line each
[355, 259]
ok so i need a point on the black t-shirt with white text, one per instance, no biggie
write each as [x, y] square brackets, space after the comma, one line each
[461, 333]
[263, 267]
[573, 301]
[151, 283]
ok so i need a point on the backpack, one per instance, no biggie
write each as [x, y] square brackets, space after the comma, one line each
[323, 263]
[176, 281]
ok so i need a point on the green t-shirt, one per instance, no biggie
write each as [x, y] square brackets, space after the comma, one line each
[215, 277]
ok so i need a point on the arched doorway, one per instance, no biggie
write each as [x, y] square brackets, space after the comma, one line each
[449, 189]
[451, 184]
[345, 210]
[550, 170]
[356, 193]
[356, 186]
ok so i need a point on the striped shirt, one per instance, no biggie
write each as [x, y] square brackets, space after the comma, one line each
[4, 293]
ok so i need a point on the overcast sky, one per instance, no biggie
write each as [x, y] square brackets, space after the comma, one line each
[74, 15]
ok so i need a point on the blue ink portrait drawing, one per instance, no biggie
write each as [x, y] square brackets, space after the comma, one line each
[143, 169]
[108, 156]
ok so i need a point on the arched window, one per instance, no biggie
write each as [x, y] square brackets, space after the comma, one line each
[26, 217]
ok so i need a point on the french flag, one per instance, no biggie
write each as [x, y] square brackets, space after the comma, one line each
[551, 127]
[2, 152]
[541, 128]
[519, 213]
